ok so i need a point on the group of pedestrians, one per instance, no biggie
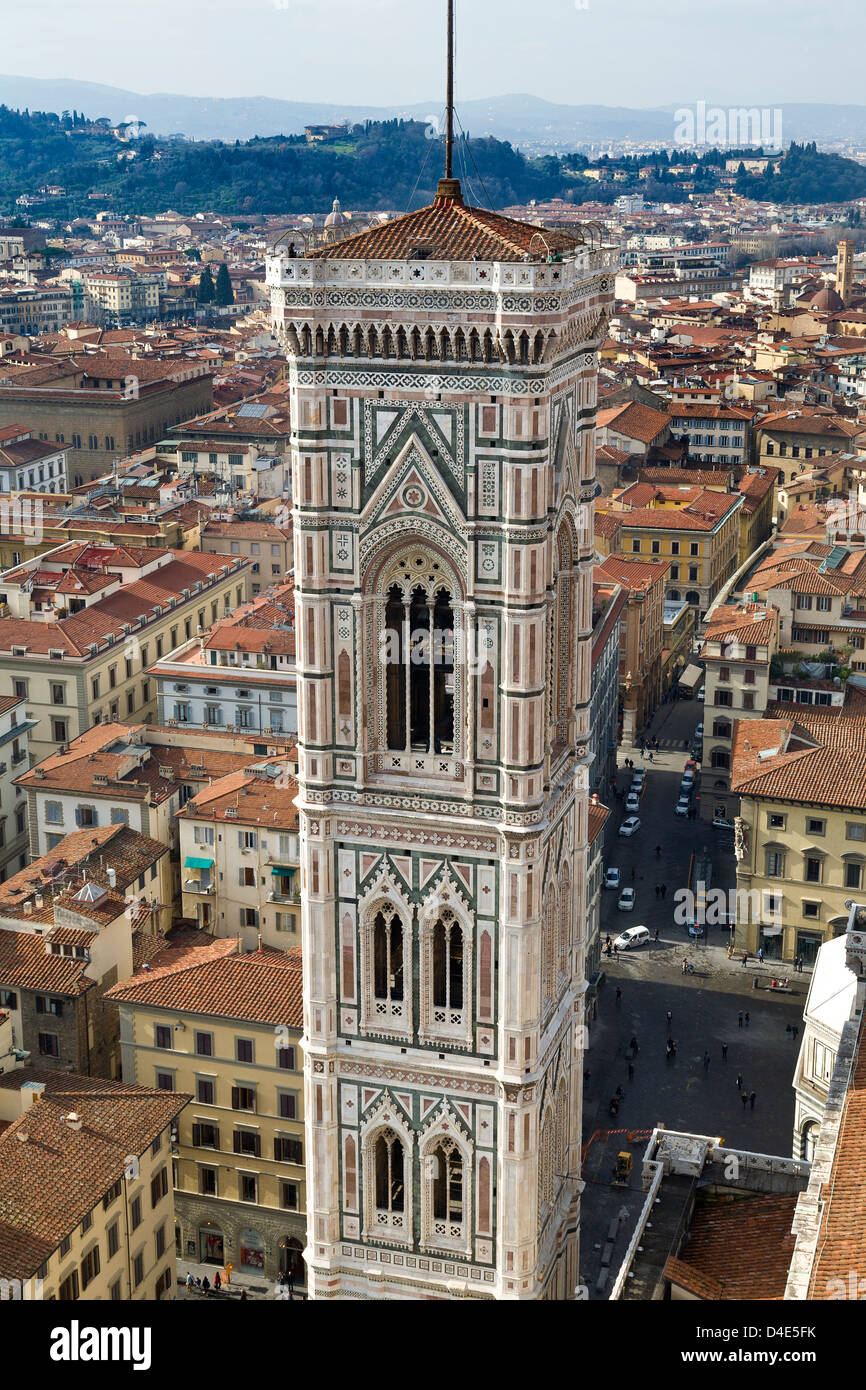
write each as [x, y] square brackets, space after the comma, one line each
[661, 890]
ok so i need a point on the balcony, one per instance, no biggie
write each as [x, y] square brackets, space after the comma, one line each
[290, 899]
[195, 885]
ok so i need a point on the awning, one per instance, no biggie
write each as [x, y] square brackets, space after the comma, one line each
[690, 676]
[282, 871]
[771, 931]
[191, 862]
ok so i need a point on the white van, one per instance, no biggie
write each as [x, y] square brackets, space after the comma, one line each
[632, 936]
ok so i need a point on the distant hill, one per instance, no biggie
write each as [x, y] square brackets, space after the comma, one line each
[374, 165]
[524, 120]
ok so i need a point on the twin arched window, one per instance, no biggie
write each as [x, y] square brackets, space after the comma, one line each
[389, 1161]
[445, 975]
[445, 1195]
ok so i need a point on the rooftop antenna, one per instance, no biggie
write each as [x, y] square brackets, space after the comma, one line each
[449, 187]
[449, 98]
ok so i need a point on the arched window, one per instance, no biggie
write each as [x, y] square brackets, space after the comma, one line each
[387, 960]
[692, 596]
[562, 643]
[446, 1165]
[721, 758]
[446, 1219]
[674, 594]
[809, 1139]
[548, 948]
[418, 648]
[447, 969]
[721, 729]
[389, 1174]
[564, 939]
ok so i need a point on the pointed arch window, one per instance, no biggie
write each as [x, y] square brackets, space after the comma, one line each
[446, 1196]
[387, 959]
[389, 1165]
[447, 968]
[387, 1172]
[420, 671]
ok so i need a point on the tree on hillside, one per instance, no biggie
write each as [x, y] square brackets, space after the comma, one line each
[223, 294]
[206, 291]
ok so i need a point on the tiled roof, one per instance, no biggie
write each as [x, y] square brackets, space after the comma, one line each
[636, 575]
[818, 758]
[25, 963]
[263, 986]
[247, 799]
[635, 421]
[93, 851]
[738, 1249]
[841, 1244]
[449, 230]
[78, 1166]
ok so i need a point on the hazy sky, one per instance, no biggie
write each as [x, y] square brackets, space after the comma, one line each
[613, 52]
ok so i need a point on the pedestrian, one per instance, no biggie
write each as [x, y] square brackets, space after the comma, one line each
[632, 871]
[205, 1284]
[190, 1282]
[739, 1081]
[706, 1061]
[752, 1099]
[664, 889]
[658, 890]
[744, 1098]
[633, 1044]
[724, 1052]
[740, 1019]
[788, 1030]
[761, 954]
[685, 967]
[217, 1281]
[243, 1295]
[615, 949]
[747, 1018]
[669, 1017]
[618, 994]
[744, 961]
[658, 850]
[650, 757]
[656, 936]
[794, 1031]
[631, 1071]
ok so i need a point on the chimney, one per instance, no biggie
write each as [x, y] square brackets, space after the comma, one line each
[72, 1121]
[112, 878]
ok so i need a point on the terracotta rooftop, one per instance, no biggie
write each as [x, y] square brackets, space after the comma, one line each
[82, 1165]
[263, 986]
[738, 1249]
[449, 230]
[817, 757]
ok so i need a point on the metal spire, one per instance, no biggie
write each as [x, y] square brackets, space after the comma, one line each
[449, 187]
[449, 99]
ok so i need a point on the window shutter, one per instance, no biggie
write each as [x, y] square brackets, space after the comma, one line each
[236, 1101]
[196, 1136]
[237, 1142]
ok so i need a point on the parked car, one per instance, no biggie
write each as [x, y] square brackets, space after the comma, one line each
[722, 823]
[698, 735]
[632, 802]
[626, 900]
[691, 766]
[638, 775]
[688, 777]
[611, 878]
[683, 806]
[632, 936]
[630, 826]
[695, 929]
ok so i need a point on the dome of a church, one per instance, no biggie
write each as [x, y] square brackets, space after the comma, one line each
[336, 217]
[826, 301]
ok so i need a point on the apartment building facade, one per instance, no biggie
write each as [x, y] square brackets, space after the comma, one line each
[739, 645]
[80, 627]
[225, 1027]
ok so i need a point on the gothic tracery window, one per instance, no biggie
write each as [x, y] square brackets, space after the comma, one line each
[447, 1178]
[447, 968]
[388, 960]
[419, 648]
[389, 1169]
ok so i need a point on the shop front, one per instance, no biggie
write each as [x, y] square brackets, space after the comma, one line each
[211, 1249]
[771, 942]
[251, 1251]
[808, 945]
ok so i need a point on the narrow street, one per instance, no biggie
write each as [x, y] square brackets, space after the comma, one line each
[679, 1091]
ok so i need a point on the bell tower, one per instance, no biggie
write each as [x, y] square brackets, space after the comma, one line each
[443, 380]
